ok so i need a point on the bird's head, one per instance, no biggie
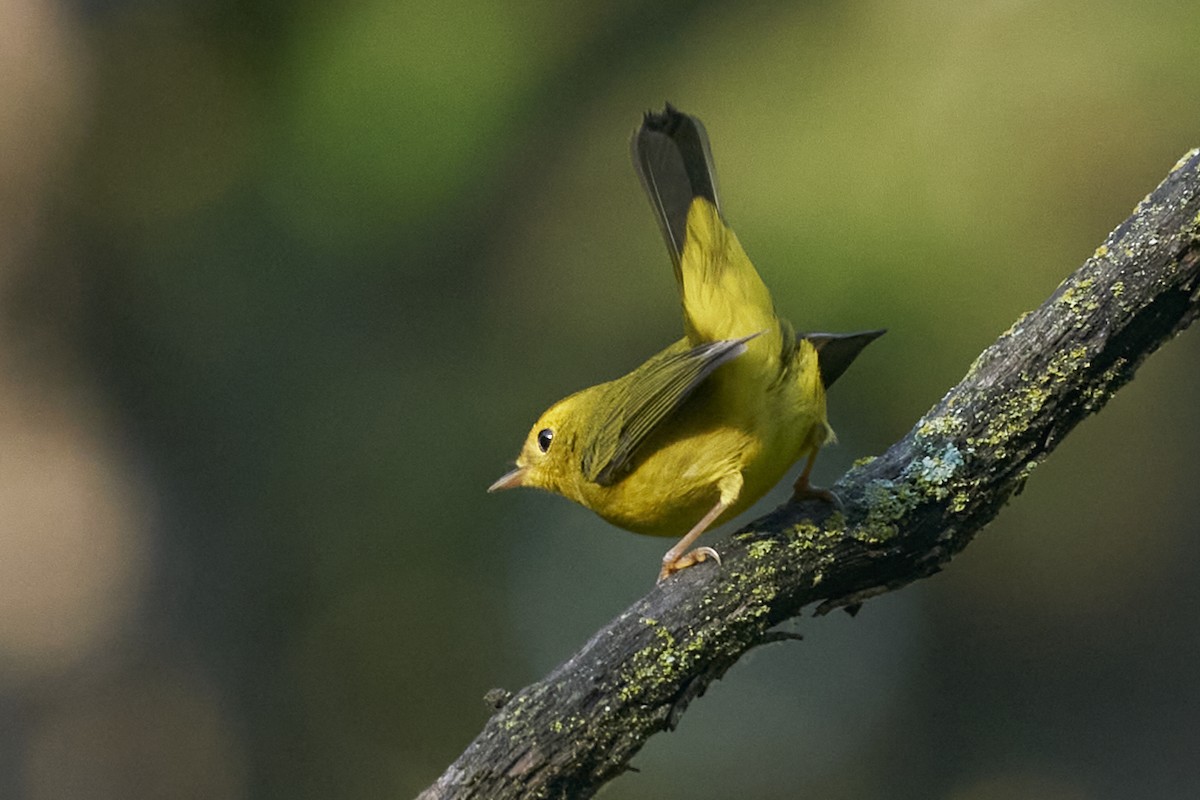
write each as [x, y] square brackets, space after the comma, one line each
[549, 458]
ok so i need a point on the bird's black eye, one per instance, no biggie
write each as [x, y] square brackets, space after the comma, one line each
[545, 437]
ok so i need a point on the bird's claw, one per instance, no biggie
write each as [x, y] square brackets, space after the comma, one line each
[688, 559]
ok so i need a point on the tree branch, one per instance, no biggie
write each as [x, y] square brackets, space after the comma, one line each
[905, 514]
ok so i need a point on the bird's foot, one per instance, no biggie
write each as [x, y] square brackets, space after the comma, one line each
[688, 559]
[802, 490]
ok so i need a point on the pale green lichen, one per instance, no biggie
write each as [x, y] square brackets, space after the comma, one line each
[762, 594]
[1142, 205]
[1068, 362]
[760, 548]
[939, 468]
[1101, 251]
[1119, 296]
[1016, 326]
[887, 503]
[665, 660]
[657, 663]
[1019, 407]
[941, 425]
[932, 475]
[803, 535]
[1095, 396]
[1012, 417]
[514, 712]
[1078, 300]
[835, 525]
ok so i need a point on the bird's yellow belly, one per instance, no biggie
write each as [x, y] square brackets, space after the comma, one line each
[677, 483]
[669, 491]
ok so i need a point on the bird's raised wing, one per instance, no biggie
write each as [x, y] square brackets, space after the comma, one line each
[641, 401]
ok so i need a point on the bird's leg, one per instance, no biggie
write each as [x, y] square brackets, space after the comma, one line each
[679, 557]
[801, 490]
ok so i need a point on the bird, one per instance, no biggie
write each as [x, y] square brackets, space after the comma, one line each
[704, 428]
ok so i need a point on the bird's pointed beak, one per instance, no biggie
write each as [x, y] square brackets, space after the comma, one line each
[510, 480]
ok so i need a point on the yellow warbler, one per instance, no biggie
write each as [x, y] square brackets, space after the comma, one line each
[706, 427]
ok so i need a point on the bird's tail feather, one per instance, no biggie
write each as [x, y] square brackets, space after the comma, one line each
[673, 159]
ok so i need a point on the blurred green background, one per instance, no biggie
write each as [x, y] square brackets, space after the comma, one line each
[282, 286]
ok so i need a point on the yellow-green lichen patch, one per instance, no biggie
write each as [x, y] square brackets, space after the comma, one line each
[1078, 300]
[760, 548]
[856, 469]
[803, 535]
[1067, 363]
[1016, 326]
[1119, 296]
[887, 502]
[1193, 231]
[943, 425]
[761, 595]
[755, 571]
[1101, 251]
[1142, 205]
[1020, 406]
[514, 712]
[654, 665]
[1011, 418]
[666, 659]
[959, 502]
[1095, 396]
[755, 589]
[655, 671]
[835, 525]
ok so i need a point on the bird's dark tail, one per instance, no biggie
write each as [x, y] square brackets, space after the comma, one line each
[673, 159]
[835, 351]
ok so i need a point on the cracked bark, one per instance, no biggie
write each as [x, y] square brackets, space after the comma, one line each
[906, 513]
